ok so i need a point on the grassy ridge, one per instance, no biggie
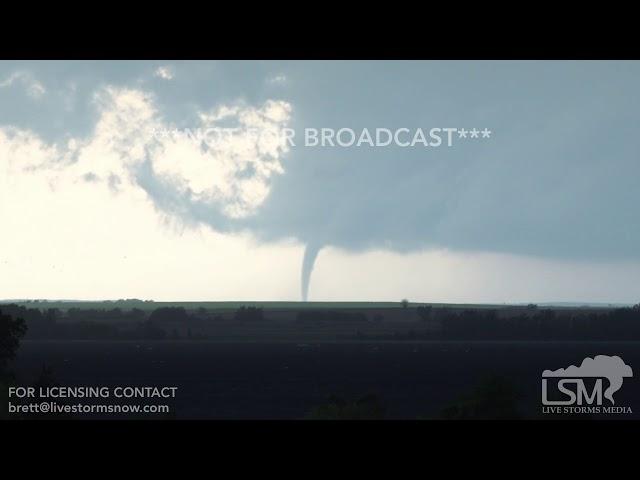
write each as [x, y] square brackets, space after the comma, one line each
[225, 306]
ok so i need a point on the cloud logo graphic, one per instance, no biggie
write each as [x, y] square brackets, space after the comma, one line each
[612, 368]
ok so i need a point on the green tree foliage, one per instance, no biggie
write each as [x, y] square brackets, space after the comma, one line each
[249, 314]
[330, 316]
[11, 331]
[494, 398]
[169, 314]
[424, 313]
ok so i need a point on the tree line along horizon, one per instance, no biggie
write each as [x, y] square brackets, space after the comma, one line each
[413, 323]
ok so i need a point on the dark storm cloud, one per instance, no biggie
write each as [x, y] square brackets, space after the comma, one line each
[556, 179]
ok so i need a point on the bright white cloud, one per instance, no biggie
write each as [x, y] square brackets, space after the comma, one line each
[165, 72]
[83, 241]
[232, 174]
[33, 88]
[233, 170]
[77, 225]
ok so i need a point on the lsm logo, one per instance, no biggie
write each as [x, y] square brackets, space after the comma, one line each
[579, 389]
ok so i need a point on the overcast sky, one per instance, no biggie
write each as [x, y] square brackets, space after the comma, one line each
[103, 196]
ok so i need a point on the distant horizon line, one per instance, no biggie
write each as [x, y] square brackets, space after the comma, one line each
[398, 302]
